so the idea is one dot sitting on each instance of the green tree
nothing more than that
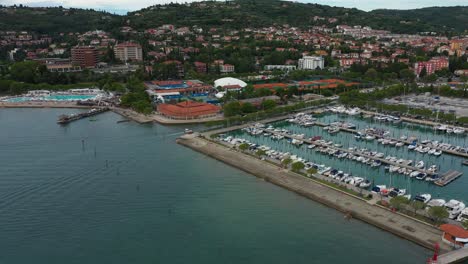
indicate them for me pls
(285, 162)
(268, 104)
(423, 73)
(431, 78)
(297, 166)
(260, 153)
(247, 108)
(25, 71)
(438, 213)
(371, 74)
(244, 146)
(232, 109)
(465, 224)
(398, 202)
(407, 75)
(312, 171)
(417, 205)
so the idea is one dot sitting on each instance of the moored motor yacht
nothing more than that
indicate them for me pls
(463, 216)
(435, 202)
(454, 208)
(425, 198)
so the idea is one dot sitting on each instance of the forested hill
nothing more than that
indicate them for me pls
(442, 18)
(249, 13)
(55, 19)
(235, 14)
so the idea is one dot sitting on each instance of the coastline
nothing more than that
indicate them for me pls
(403, 226)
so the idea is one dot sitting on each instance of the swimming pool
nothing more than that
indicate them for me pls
(62, 97)
(174, 86)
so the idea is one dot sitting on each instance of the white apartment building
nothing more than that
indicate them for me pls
(128, 52)
(311, 63)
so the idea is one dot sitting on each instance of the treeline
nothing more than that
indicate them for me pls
(272, 112)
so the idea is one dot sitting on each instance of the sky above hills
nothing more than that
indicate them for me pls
(122, 6)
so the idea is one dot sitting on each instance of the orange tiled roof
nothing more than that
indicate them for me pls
(454, 230)
(270, 85)
(188, 109)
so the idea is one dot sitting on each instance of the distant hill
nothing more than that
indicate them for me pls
(245, 13)
(235, 14)
(54, 19)
(430, 19)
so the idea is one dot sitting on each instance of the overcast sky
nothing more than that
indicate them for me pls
(121, 6)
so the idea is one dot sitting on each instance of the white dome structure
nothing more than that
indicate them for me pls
(228, 81)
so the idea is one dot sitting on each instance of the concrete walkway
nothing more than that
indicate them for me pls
(400, 225)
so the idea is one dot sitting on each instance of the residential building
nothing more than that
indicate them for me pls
(128, 51)
(85, 56)
(200, 67)
(431, 66)
(311, 63)
(226, 68)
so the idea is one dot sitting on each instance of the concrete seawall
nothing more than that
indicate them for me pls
(400, 225)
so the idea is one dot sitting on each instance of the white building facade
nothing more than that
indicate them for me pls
(311, 63)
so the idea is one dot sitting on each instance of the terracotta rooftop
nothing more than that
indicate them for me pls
(454, 230)
(188, 109)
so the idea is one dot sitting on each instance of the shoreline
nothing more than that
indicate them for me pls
(400, 225)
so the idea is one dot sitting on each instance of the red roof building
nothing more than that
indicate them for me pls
(455, 235)
(188, 110)
(435, 64)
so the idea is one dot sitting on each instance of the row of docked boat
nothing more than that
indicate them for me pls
(425, 150)
(302, 119)
(449, 129)
(433, 144)
(322, 169)
(387, 118)
(455, 208)
(344, 110)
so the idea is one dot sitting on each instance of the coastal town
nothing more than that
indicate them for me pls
(366, 120)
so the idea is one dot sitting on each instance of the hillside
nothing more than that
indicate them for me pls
(431, 18)
(235, 14)
(55, 19)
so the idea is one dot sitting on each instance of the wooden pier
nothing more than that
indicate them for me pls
(448, 177)
(352, 152)
(65, 119)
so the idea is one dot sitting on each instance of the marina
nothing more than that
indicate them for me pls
(380, 153)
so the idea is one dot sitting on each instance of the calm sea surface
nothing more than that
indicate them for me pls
(102, 192)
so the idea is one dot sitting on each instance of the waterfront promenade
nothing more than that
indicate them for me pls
(367, 211)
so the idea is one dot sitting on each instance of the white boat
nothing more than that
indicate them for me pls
(365, 184)
(420, 164)
(463, 216)
(458, 130)
(454, 208)
(435, 202)
(411, 147)
(358, 181)
(437, 153)
(397, 192)
(379, 188)
(425, 198)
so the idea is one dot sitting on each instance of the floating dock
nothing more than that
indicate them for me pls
(406, 142)
(65, 119)
(310, 142)
(448, 177)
